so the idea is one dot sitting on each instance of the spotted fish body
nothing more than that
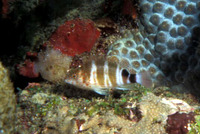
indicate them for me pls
(100, 75)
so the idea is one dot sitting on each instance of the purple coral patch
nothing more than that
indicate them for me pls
(178, 123)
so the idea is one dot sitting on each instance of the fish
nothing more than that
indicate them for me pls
(100, 75)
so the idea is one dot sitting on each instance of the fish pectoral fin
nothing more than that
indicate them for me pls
(124, 87)
(101, 91)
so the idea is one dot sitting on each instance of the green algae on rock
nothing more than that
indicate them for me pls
(7, 102)
(135, 111)
(195, 126)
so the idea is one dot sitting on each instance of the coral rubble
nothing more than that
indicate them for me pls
(44, 112)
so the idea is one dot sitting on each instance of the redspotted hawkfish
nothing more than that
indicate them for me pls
(100, 75)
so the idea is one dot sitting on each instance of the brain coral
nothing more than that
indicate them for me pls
(7, 102)
(165, 42)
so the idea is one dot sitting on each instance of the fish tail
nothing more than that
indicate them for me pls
(144, 78)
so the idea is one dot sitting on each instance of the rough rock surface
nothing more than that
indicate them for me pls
(7, 102)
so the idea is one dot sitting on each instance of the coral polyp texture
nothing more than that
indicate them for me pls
(165, 42)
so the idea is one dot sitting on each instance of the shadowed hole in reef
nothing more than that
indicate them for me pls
(192, 50)
(9, 38)
(192, 61)
(75, 92)
(185, 61)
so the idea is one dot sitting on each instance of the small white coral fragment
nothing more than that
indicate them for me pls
(53, 65)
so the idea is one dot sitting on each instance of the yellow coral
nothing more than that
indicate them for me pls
(7, 102)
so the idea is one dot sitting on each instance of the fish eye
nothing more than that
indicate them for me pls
(74, 75)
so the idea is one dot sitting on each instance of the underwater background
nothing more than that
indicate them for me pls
(43, 40)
